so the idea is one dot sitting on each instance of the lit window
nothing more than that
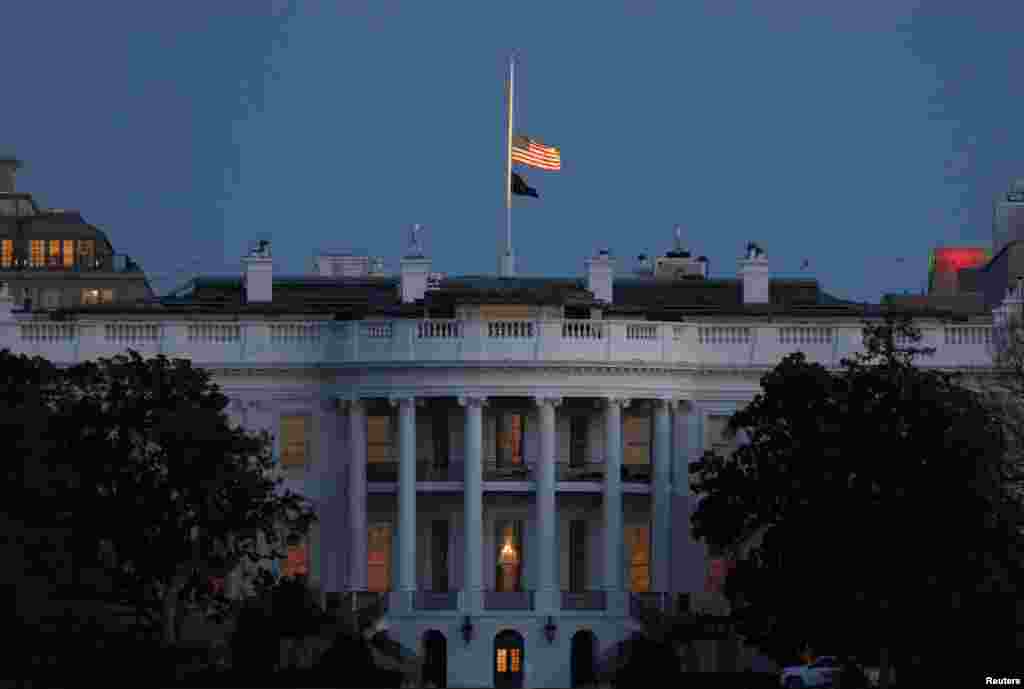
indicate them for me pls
(378, 439)
(90, 296)
(69, 253)
(513, 654)
(107, 296)
(510, 429)
(6, 253)
(501, 658)
(637, 432)
(53, 253)
(294, 440)
(297, 561)
(35, 258)
(638, 545)
(378, 556)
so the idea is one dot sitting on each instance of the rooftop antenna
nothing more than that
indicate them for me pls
(677, 231)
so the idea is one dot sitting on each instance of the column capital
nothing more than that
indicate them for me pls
(349, 403)
(541, 400)
(670, 403)
(472, 401)
(396, 400)
(614, 400)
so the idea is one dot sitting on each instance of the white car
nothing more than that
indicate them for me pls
(820, 673)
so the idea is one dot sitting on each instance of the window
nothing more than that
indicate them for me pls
(501, 658)
(439, 433)
(86, 252)
(296, 562)
(379, 442)
(513, 658)
(52, 298)
(69, 253)
(106, 296)
(294, 441)
(637, 436)
(90, 296)
(508, 541)
(35, 258)
(53, 253)
(577, 556)
(578, 426)
(6, 253)
(510, 429)
(439, 556)
(378, 555)
(638, 545)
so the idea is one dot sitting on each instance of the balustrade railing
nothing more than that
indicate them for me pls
(435, 600)
(581, 471)
(584, 600)
(583, 330)
(507, 471)
(508, 600)
(653, 600)
(691, 344)
(439, 330)
(510, 329)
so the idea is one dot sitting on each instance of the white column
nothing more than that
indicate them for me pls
(613, 535)
(357, 580)
(661, 497)
(547, 516)
(472, 516)
(406, 493)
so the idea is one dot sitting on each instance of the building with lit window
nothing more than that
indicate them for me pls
(52, 258)
(503, 462)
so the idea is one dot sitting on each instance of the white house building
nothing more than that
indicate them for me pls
(505, 460)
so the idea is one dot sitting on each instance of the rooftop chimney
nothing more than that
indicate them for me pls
(259, 273)
(600, 275)
(754, 274)
(8, 171)
(414, 269)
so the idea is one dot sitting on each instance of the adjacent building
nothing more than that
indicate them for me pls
(52, 258)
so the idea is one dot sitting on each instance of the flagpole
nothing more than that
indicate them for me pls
(506, 267)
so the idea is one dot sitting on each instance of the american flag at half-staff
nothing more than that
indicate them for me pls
(531, 152)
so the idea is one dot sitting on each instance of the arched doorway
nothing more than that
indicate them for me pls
(583, 658)
(435, 659)
(508, 660)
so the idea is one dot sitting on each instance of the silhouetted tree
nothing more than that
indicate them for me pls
(873, 488)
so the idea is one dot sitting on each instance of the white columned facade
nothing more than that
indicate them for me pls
(357, 580)
(406, 495)
(661, 497)
(472, 515)
(612, 503)
(547, 515)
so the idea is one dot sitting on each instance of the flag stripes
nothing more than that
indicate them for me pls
(535, 154)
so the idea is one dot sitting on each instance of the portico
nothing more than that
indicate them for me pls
(538, 472)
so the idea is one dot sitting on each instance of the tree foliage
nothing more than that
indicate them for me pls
(875, 488)
(138, 461)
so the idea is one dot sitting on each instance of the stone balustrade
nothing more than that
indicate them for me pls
(230, 342)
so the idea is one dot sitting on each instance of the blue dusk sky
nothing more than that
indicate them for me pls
(848, 134)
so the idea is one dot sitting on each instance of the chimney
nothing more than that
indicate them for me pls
(600, 274)
(8, 171)
(754, 274)
(259, 273)
(415, 269)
